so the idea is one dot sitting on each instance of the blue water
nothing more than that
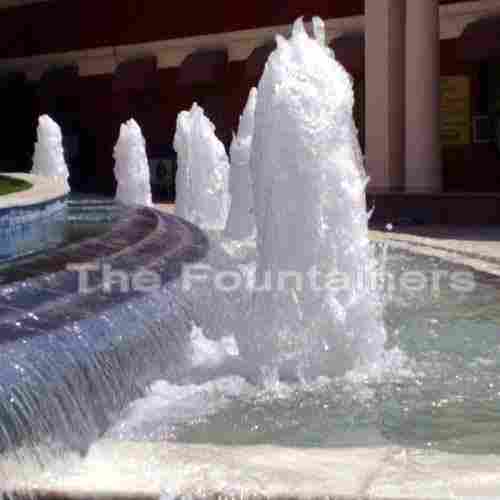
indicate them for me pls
(74, 221)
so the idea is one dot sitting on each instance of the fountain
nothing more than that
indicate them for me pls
(285, 338)
(48, 160)
(54, 305)
(241, 222)
(309, 186)
(33, 220)
(132, 167)
(202, 176)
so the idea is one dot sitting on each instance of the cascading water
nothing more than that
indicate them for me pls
(131, 166)
(48, 160)
(72, 359)
(202, 177)
(241, 221)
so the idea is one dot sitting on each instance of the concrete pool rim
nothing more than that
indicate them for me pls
(43, 191)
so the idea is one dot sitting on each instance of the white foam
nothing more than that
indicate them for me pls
(211, 353)
(167, 405)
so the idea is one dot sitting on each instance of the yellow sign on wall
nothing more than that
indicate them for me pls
(456, 113)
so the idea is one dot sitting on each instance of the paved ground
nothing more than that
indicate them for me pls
(144, 471)
(477, 247)
(483, 241)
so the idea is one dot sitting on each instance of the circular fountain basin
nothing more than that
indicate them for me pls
(43, 191)
(392, 466)
(26, 217)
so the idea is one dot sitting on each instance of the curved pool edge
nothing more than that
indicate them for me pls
(468, 255)
(43, 191)
(27, 217)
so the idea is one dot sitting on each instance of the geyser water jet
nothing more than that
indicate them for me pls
(241, 221)
(48, 159)
(131, 166)
(310, 210)
(202, 182)
(312, 307)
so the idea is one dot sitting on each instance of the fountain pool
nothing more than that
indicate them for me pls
(445, 395)
(428, 428)
(376, 377)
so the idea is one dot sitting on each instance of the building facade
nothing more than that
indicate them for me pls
(426, 76)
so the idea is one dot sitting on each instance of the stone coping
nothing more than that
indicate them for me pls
(478, 255)
(143, 470)
(43, 190)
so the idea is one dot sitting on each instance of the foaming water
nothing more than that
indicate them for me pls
(444, 394)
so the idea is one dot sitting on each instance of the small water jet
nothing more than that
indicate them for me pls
(203, 173)
(33, 220)
(131, 167)
(48, 159)
(241, 222)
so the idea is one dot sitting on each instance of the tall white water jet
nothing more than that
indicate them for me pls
(202, 182)
(241, 221)
(131, 166)
(317, 314)
(48, 160)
